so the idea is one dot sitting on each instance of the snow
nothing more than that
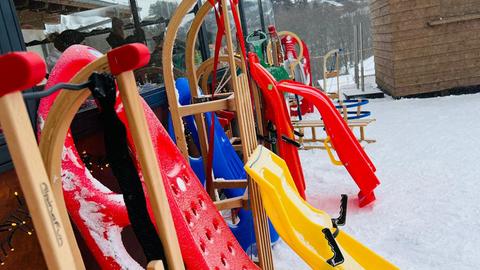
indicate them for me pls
(347, 82)
(105, 233)
(68, 152)
(68, 180)
(426, 213)
(333, 3)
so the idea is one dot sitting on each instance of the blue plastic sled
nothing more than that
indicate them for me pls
(353, 103)
(226, 165)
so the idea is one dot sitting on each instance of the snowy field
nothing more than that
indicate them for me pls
(427, 211)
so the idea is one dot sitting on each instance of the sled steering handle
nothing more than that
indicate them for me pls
(20, 71)
(128, 58)
(260, 35)
(122, 62)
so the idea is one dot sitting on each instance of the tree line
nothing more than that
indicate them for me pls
(325, 27)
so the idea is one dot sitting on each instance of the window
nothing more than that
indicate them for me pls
(50, 27)
(255, 22)
(268, 13)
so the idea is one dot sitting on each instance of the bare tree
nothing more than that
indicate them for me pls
(324, 27)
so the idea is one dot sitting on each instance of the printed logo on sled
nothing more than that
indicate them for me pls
(53, 219)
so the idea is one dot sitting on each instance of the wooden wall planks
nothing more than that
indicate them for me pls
(412, 57)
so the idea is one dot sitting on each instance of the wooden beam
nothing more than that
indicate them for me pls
(190, 46)
(232, 203)
(210, 106)
(222, 184)
(55, 131)
(455, 19)
(320, 124)
(192, 80)
(169, 78)
(152, 176)
(155, 265)
(247, 129)
(53, 229)
(207, 97)
(194, 72)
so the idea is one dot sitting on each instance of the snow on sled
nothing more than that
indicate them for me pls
(99, 214)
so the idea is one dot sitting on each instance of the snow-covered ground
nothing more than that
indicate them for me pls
(347, 82)
(427, 211)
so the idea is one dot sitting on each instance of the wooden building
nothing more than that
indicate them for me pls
(426, 46)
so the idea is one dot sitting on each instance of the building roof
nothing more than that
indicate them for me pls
(34, 14)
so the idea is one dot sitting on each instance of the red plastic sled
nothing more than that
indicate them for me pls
(352, 155)
(100, 215)
(276, 111)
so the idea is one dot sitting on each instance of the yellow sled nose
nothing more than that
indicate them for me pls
(299, 224)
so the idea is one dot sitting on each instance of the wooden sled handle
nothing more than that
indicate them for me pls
(155, 265)
(20, 71)
(120, 62)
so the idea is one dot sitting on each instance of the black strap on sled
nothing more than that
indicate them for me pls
(123, 167)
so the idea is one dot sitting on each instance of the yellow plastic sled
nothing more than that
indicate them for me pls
(306, 229)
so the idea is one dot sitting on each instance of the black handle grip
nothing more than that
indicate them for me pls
(342, 218)
(298, 133)
(266, 139)
(290, 141)
(337, 253)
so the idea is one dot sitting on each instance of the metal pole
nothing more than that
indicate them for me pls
(243, 21)
(355, 53)
(325, 72)
(362, 69)
(136, 21)
(262, 18)
(337, 67)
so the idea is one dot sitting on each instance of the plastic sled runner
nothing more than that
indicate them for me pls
(349, 150)
(310, 232)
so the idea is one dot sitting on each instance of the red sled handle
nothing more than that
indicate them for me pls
(20, 71)
(128, 57)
